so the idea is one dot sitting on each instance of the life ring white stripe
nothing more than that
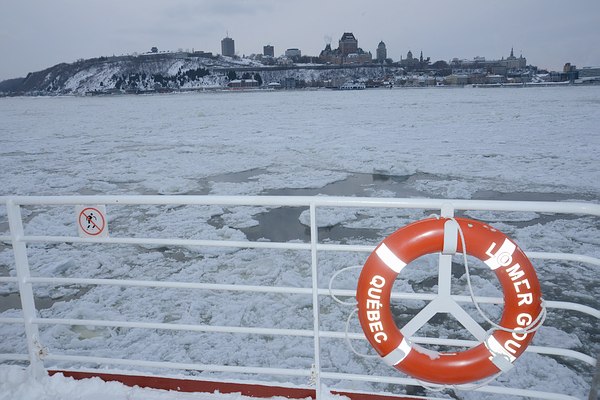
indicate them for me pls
(390, 259)
(503, 255)
(496, 348)
(398, 354)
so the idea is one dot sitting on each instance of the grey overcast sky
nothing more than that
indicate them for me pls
(36, 34)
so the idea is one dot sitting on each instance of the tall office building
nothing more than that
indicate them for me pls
(381, 52)
(228, 47)
(268, 50)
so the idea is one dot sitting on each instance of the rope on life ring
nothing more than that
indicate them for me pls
(523, 305)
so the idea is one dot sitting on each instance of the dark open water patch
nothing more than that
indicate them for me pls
(13, 300)
(10, 301)
(279, 225)
(238, 177)
(358, 184)
(283, 223)
(530, 196)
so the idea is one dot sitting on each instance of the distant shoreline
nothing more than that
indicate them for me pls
(267, 90)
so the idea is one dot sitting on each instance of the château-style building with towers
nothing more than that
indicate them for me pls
(347, 52)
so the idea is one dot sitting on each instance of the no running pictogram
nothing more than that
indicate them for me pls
(92, 221)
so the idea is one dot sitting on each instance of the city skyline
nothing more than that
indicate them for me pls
(37, 34)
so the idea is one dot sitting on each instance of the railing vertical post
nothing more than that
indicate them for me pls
(34, 347)
(315, 297)
(595, 381)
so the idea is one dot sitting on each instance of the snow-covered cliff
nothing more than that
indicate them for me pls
(174, 71)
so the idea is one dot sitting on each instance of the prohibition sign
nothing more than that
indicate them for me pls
(92, 221)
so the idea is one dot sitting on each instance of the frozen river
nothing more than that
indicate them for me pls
(508, 144)
(449, 142)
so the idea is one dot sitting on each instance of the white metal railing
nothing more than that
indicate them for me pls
(37, 355)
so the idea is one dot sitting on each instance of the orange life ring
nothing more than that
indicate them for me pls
(522, 301)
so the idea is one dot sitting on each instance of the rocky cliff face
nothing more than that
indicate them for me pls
(172, 71)
(125, 73)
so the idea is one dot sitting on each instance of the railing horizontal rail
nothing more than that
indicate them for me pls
(564, 305)
(11, 320)
(530, 349)
(14, 357)
(563, 257)
(298, 201)
(174, 285)
(555, 351)
(181, 366)
(174, 327)
(170, 242)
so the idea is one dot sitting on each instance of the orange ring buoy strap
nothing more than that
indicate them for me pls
(522, 301)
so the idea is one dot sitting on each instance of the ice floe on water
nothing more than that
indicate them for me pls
(420, 143)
